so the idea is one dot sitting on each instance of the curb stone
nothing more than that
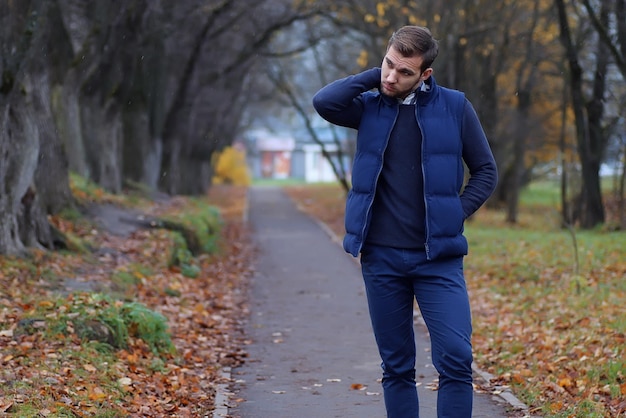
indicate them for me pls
(222, 395)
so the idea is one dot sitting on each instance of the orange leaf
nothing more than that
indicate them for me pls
(97, 394)
(556, 406)
(46, 304)
(517, 378)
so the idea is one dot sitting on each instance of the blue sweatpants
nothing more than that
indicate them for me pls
(393, 278)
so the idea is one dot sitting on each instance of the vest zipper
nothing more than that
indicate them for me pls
(426, 229)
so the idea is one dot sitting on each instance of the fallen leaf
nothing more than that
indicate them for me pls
(4, 408)
(97, 394)
(90, 368)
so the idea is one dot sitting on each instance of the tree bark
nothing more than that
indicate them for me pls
(33, 180)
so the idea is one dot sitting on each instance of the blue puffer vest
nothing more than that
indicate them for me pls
(439, 114)
(447, 121)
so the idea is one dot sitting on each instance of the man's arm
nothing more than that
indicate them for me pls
(480, 162)
(340, 103)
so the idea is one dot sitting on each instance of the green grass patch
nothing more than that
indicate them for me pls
(278, 182)
(124, 282)
(202, 225)
(98, 317)
(545, 193)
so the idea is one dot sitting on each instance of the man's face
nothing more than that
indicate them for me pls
(401, 75)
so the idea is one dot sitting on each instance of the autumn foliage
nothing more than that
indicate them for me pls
(117, 330)
(231, 167)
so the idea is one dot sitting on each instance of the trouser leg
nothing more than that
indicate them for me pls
(390, 300)
(442, 297)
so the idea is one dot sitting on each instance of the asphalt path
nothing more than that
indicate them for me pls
(312, 352)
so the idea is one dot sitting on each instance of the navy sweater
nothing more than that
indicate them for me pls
(398, 212)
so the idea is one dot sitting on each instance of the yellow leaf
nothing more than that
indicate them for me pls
(380, 9)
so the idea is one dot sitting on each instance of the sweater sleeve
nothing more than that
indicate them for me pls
(480, 162)
(340, 102)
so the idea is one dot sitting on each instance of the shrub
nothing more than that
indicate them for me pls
(231, 168)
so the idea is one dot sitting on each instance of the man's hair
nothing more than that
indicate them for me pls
(415, 40)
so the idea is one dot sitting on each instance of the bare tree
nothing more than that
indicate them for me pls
(232, 36)
(144, 90)
(588, 114)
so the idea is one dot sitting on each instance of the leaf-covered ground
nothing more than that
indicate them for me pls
(549, 324)
(47, 369)
(549, 306)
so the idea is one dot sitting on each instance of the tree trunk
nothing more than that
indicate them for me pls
(19, 150)
(593, 145)
(51, 176)
(487, 110)
(590, 148)
(67, 117)
(142, 152)
(144, 112)
(102, 132)
(622, 192)
(566, 211)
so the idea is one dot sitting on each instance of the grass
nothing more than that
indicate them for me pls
(549, 317)
(528, 287)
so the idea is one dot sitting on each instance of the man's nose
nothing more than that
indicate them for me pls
(391, 77)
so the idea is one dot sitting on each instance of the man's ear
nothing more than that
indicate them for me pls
(427, 73)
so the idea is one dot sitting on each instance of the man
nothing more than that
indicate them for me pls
(406, 209)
